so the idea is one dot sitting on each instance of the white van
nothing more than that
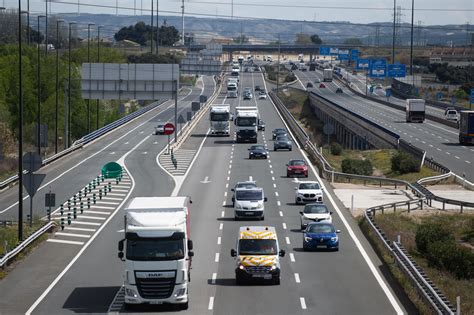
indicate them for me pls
(249, 203)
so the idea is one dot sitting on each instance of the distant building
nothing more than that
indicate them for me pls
(457, 56)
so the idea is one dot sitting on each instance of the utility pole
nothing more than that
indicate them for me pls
(20, 129)
(151, 37)
(157, 26)
(88, 60)
(182, 19)
(38, 86)
(411, 36)
(98, 60)
(278, 70)
(394, 21)
(28, 37)
(46, 29)
(69, 88)
(232, 9)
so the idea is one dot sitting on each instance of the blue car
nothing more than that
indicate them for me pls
(320, 235)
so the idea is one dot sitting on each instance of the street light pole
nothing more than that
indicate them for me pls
(27, 21)
(38, 81)
(20, 129)
(157, 26)
(411, 40)
(393, 36)
(151, 37)
(88, 60)
(69, 89)
(46, 29)
(57, 87)
(98, 60)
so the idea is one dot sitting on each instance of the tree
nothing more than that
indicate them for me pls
(152, 58)
(168, 36)
(303, 39)
(241, 39)
(353, 41)
(141, 33)
(315, 39)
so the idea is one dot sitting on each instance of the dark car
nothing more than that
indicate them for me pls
(247, 95)
(258, 88)
(309, 85)
(282, 142)
(261, 125)
(320, 235)
(258, 151)
(296, 168)
(322, 86)
(339, 90)
(279, 131)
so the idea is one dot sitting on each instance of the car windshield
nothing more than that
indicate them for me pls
(321, 209)
(257, 147)
(257, 247)
(155, 249)
(279, 130)
(282, 139)
(320, 228)
(246, 184)
(249, 195)
(297, 163)
(309, 186)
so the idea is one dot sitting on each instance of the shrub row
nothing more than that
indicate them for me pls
(358, 167)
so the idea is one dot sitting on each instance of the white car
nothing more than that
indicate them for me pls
(315, 212)
(262, 95)
(308, 192)
(452, 114)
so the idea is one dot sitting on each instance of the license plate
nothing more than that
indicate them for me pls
(265, 276)
(248, 213)
(321, 246)
(156, 302)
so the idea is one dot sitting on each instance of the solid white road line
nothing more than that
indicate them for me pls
(216, 259)
(78, 229)
(211, 303)
(214, 277)
(79, 254)
(101, 207)
(297, 278)
(303, 303)
(84, 223)
(90, 217)
(292, 257)
(96, 212)
(51, 240)
(358, 244)
(72, 235)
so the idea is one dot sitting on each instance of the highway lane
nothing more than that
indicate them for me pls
(71, 173)
(439, 141)
(339, 282)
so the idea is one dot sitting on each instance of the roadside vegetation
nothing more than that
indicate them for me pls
(284, 76)
(385, 163)
(442, 244)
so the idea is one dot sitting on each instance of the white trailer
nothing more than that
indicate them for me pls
(415, 110)
(157, 251)
(327, 75)
(219, 116)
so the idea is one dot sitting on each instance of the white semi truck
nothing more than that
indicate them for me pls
(415, 110)
(219, 116)
(327, 75)
(246, 123)
(157, 251)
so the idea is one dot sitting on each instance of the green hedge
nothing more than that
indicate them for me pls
(358, 167)
(336, 149)
(404, 163)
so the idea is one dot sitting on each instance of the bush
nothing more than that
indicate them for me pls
(450, 256)
(428, 233)
(404, 163)
(358, 167)
(290, 77)
(336, 149)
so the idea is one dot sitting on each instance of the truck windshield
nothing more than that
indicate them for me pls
(219, 116)
(248, 195)
(155, 249)
(246, 121)
(231, 88)
(257, 247)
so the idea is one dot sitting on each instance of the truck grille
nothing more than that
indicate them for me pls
(259, 269)
(155, 288)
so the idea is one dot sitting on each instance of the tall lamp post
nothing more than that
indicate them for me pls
(57, 87)
(88, 60)
(69, 89)
(394, 22)
(98, 60)
(20, 127)
(38, 81)
(411, 39)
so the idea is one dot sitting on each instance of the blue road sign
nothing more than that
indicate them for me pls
(378, 68)
(396, 70)
(343, 54)
(333, 51)
(439, 96)
(362, 64)
(371, 89)
(388, 92)
(324, 51)
(378, 62)
(354, 54)
(472, 96)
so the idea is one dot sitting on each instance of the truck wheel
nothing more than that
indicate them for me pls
(236, 218)
(290, 149)
(276, 281)
(184, 306)
(262, 218)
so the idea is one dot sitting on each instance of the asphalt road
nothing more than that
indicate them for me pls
(71, 173)
(349, 281)
(439, 141)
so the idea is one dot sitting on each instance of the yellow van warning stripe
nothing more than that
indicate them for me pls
(257, 235)
(252, 261)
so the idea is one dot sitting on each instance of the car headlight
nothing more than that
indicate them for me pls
(131, 292)
(241, 267)
(274, 267)
(238, 207)
(289, 169)
(334, 239)
(307, 238)
(180, 292)
(251, 153)
(260, 205)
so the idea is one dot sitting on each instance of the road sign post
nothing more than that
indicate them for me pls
(31, 162)
(168, 130)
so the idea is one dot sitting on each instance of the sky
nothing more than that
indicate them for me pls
(358, 11)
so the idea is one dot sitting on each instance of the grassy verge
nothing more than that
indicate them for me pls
(9, 240)
(462, 225)
(188, 79)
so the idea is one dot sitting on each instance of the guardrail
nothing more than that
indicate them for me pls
(425, 287)
(87, 139)
(25, 243)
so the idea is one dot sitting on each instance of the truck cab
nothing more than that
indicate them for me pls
(246, 122)
(156, 251)
(219, 117)
(257, 255)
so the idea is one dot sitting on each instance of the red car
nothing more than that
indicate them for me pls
(296, 168)
(322, 86)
